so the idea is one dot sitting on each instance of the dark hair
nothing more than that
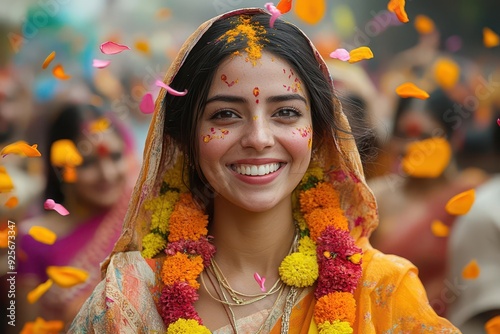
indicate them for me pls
(196, 74)
(68, 124)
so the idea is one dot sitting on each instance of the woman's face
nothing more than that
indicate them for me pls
(255, 133)
(101, 177)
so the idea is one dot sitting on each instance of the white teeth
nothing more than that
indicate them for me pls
(255, 170)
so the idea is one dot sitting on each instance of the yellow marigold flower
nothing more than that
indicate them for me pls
(190, 326)
(299, 270)
(161, 208)
(152, 244)
(335, 327)
(337, 305)
(297, 216)
(307, 246)
(321, 196)
(315, 171)
(319, 219)
(176, 176)
(182, 268)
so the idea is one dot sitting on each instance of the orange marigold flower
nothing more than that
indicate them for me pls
(321, 196)
(187, 221)
(320, 218)
(182, 268)
(335, 306)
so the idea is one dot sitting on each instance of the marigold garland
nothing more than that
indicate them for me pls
(339, 306)
(182, 268)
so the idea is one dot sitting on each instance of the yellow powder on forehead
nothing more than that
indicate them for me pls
(253, 32)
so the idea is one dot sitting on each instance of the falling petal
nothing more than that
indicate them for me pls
(163, 13)
(439, 229)
(398, 8)
(69, 174)
(98, 63)
(21, 148)
(142, 45)
(460, 204)
(260, 281)
(498, 121)
(147, 105)
(492, 326)
(50, 204)
(37, 292)
(490, 38)
(427, 158)
(275, 13)
(361, 53)
(446, 73)
(340, 54)
(409, 89)
(99, 125)
(170, 90)
(67, 277)
(43, 235)
(284, 6)
(4, 236)
(344, 20)
(310, 11)
(6, 184)
(12, 202)
(356, 258)
(58, 72)
(471, 270)
(63, 153)
(111, 48)
(40, 326)
(424, 25)
(49, 59)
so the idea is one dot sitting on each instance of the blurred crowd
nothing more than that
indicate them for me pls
(417, 153)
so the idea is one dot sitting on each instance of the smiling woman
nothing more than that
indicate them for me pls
(251, 214)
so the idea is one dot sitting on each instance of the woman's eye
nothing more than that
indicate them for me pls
(224, 114)
(287, 113)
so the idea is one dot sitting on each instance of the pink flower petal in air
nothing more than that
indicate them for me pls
(275, 13)
(498, 121)
(111, 48)
(340, 54)
(50, 204)
(261, 281)
(172, 91)
(98, 63)
(147, 105)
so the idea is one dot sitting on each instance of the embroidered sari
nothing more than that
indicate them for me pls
(389, 297)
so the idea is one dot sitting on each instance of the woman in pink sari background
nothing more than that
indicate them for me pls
(97, 201)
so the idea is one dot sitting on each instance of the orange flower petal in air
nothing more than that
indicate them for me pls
(58, 72)
(460, 204)
(99, 125)
(446, 73)
(6, 184)
(12, 202)
(142, 45)
(492, 326)
(310, 11)
(63, 153)
(37, 292)
(490, 38)
(69, 174)
(424, 25)
(49, 59)
(284, 6)
(409, 89)
(398, 8)
(471, 270)
(163, 13)
(40, 326)
(361, 53)
(439, 229)
(43, 235)
(427, 158)
(21, 148)
(67, 277)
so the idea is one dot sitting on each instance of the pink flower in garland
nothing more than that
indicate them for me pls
(177, 301)
(201, 247)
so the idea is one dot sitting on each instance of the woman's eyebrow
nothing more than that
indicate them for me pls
(271, 99)
(286, 97)
(226, 98)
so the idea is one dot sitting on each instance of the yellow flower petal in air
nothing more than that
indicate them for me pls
(37, 292)
(492, 326)
(49, 59)
(67, 277)
(398, 8)
(423, 24)
(142, 45)
(439, 229)
(40, 326)
(99, 125)
(471, 270)
(69, 174)
(43, 235)
(446, 73)
(58, 72)
(409, 89)
(12, 202)
(361, 53)
(64, 153)
(490, 38)
(6, 184)
(460, 204)
(21, 148)
(427, 158)
(310, 11)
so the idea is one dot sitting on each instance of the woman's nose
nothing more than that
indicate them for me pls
(257, 134)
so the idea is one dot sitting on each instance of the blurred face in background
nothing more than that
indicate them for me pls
(102, 175)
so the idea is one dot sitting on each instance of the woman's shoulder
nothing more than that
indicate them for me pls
(381, 268)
